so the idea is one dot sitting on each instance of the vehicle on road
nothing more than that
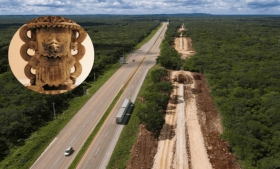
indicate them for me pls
(68, 151)
(125, 106)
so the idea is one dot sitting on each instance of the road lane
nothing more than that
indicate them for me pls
(105, 146)
(91, 112)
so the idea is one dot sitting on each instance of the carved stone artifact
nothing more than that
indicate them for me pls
(53, 40)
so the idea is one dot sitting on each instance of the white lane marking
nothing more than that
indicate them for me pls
(102, 101)
(93, 114)
(112, 143)
(63, 140)
(56, 160)
(85, 124)
(107, 95)
(113, 87)
(72, 140)
(97, 152)
(106, 134)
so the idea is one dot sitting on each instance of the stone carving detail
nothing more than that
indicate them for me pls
(53, 39)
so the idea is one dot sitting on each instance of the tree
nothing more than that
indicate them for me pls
(157, 74)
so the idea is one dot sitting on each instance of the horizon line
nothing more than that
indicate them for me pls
(145, 14)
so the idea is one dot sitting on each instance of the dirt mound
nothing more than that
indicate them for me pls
(210, 121)
(143, 150)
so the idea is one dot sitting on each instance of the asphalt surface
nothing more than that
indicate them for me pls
(81, 125)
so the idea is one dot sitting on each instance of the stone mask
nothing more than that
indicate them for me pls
(53, 39)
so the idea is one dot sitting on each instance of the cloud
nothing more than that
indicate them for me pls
(257, 4)
(137, 6)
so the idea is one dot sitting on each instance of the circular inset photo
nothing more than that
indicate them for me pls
(51, 55)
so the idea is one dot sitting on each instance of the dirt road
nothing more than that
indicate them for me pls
(174, 155)
(181, 160)
(184, 46)
(163, 158)
(198, 153)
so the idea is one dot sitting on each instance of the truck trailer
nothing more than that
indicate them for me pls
(122, 111)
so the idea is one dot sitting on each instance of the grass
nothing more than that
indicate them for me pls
(138, 46)
(39, 140)
(128, 136)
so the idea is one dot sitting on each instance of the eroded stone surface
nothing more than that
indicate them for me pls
(52, 38)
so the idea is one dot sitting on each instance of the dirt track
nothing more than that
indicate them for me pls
(215, 152)
(188, 136)
(184, 46)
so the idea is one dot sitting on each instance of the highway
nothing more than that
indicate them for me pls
(81, 125)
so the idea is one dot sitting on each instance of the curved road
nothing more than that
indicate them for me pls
(81, 125)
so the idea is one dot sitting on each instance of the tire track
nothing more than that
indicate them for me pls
(166, 156)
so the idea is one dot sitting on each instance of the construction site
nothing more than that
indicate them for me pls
(190, 138)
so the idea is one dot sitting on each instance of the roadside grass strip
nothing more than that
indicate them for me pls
(121, 153)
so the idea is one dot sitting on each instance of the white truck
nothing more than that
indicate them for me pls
(125, 106)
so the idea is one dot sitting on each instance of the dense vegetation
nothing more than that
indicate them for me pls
(240, 58)
(169, 57)
(23, 111)
(156, 98)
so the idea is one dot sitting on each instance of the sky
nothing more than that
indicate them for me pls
(131, 7)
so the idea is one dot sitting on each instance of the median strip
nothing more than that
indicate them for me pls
(91, 137)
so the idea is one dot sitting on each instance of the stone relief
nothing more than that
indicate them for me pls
(53, 40)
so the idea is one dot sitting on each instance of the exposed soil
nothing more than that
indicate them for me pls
(146, 146)
(218, 151)
(167, 140)
(143, 150)
(210, 122)
(184, 46)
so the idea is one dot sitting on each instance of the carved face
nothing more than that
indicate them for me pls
(52, 38)
(53, 41)
(54, 57)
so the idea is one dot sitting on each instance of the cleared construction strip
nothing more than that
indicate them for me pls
(182, 157)
(172, 150)
(164, 156)
(199, 157)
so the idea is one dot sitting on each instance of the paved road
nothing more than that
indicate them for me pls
(81, 125)
(100, 151)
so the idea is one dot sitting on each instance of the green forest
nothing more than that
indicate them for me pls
(23, 111)
(156, 99)
(239, 55)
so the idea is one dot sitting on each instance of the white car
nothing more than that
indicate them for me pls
(68, 151)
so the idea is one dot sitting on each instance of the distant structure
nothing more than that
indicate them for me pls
(121, 60)
(53, 38)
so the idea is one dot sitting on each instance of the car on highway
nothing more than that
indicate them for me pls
(68, 151)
